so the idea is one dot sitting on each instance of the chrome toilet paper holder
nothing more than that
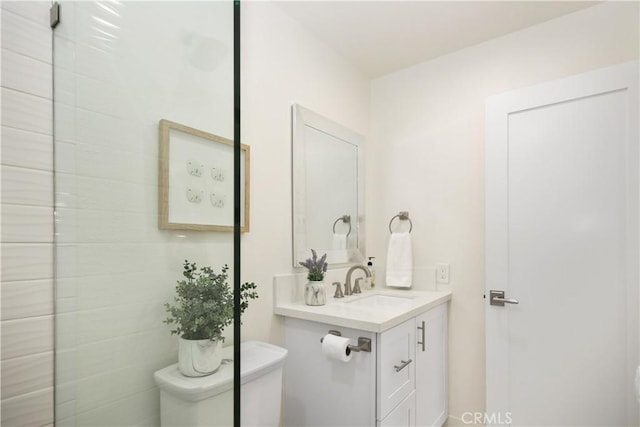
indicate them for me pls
(364, 344)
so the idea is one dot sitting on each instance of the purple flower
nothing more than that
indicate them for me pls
(317, 267)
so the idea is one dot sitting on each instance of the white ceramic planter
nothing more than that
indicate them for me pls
(198, 358)
(315, 293)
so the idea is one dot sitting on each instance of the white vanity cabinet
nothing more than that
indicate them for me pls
(401, 382)
(423, 381)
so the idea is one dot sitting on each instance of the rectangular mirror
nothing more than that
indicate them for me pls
(328, 189)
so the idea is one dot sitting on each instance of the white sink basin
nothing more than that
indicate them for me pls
(382, 302)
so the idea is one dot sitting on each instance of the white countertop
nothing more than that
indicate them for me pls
(372, 317)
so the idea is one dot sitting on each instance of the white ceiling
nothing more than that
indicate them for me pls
(380, 37)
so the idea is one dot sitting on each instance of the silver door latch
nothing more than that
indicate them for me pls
(497, 298)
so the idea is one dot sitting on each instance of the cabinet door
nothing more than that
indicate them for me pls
(396, 364)
(404, 415)
(319, 391)
(431, 367)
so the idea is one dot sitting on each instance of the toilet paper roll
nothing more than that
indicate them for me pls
(336, 348)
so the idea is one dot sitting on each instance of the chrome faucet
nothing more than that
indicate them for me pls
(347, 285)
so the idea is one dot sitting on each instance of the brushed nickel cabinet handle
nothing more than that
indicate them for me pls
(421, 328)
(403, 364)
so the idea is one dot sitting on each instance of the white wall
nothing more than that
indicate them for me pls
(283, 64)
(427, 135)
(27, 216)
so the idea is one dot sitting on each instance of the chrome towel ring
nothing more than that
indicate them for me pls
(346, 219)
(403, 215)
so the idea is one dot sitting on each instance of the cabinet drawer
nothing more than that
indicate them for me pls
(396, 366)
(404, 415)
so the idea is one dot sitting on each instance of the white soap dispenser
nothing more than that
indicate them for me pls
(372, 280)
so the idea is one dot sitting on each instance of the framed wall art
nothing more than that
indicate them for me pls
(196, 180)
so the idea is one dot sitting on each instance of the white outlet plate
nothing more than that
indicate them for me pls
(442, 273)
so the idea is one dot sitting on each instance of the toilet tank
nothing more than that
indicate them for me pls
(208, 401)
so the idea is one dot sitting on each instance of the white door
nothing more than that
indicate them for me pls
(562, 240)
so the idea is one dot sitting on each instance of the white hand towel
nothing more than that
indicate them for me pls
(399, 260)
(339, 253)
(339, 241)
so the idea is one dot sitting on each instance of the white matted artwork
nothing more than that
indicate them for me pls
(196, 180)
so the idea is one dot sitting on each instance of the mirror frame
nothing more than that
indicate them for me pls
(300, 118)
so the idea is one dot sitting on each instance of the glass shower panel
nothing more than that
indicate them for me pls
(120, 68)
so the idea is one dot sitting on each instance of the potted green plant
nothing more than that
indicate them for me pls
(203, 308)
(315, 292)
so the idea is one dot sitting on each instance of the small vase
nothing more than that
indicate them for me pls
(198, 358)
(315, 293)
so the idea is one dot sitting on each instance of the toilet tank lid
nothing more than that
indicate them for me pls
(257, 359)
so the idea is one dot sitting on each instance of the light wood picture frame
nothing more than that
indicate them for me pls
(196, 180)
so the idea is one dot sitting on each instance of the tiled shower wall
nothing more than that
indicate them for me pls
(27, 215)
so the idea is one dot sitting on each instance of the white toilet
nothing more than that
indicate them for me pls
(208, 401)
